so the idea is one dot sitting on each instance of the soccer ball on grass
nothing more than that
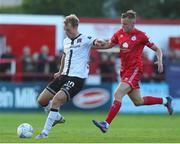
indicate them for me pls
(25, 130)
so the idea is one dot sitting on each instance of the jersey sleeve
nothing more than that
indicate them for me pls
(90, 40)
(114, 38)
(147, 41)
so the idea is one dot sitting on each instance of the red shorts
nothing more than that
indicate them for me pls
(132, 77)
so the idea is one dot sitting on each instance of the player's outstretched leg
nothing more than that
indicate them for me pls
(166, 101)
(111, 115)
(168, 105)
(122, 90)
(53, 116)
(103, 126)
(47, 110)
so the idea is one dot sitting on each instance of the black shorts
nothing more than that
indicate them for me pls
(70, 85)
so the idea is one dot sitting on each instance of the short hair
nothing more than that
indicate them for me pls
(130, 14)
(72, 19)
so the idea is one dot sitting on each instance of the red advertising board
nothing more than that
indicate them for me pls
(34, 36)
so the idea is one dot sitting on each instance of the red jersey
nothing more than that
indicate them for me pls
(131, 47)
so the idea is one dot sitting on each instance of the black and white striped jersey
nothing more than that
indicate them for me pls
(77, 53)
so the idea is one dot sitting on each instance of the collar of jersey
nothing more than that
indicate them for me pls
(76, 37)
(131, 32)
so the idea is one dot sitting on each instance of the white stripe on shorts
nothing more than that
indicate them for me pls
(133, 75)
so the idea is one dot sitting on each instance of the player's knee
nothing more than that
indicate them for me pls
(118, 95)
(41, 101)
(138, 103)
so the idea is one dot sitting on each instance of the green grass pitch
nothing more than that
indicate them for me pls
(79, 128)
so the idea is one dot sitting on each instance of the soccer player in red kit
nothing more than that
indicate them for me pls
(131, 42)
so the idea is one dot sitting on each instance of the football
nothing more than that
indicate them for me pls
(25, 130)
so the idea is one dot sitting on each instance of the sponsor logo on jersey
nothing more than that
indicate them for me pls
(89, 37)
(91, 98)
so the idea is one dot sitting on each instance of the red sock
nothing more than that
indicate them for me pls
(113, 111)
(149, 100)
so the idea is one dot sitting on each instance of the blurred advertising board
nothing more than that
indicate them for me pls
(92, 97)
(173, 79)
(148, 89)
(22, 96)
(19, 95)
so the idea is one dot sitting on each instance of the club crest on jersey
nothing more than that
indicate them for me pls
(133, 38)
(79, 40)
(125, 45)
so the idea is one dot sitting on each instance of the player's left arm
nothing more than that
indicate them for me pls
(159, 55)
(157, 50)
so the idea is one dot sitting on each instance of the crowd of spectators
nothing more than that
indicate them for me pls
(41, 66)
(34, 66)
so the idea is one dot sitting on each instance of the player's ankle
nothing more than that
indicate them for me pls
(59, 116)
(44, 131)
(164, 100)
(107, 124)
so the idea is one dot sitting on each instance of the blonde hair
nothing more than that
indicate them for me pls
(71, 19)
(130, 14)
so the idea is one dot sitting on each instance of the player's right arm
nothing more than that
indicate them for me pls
(103, 44)
(61, 66)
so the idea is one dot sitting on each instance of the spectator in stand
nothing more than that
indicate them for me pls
(54, 62)
(42, 64)
(113, 58)
(43, 60)
(8, 55)
(107, 68)
(35, 57)
(94, 62)
(5, 65)
(27, 62)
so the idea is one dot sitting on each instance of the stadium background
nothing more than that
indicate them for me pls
(30, 49)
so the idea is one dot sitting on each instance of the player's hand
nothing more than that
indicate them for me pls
(57, 74)
(160, 66)
(99, 43)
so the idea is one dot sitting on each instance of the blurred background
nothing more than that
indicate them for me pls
(31, 35)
